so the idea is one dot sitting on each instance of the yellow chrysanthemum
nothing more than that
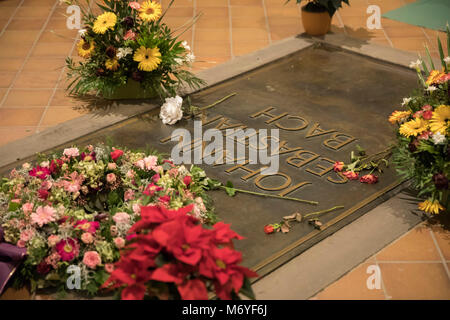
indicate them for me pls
(150, 11)
(112, 64)
(434, 76)
(104, 22)
(430, 206)
(148, 58)
(413, 127)
(85, 48)
(399, 116)
(440, 120)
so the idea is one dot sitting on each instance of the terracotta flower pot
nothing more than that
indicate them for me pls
(316, 23)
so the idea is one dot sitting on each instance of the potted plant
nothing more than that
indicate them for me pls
(317, 15)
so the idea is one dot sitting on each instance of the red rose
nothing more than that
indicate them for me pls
(351, 175)
(43, 194)
(116, 154)
(269, 229)
(187, 180)
(369, 178)
(338, 166)
(427, 115)
(43, 268)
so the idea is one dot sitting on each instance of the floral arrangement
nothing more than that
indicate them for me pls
(129, 42)
(323, 5)
(75, 208)
(173, 255)
(423, 151)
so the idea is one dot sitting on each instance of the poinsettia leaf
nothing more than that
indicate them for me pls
(247, 289)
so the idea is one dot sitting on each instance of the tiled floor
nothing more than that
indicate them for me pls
(415, 266)
(34, 42)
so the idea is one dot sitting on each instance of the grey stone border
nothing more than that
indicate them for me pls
(117, 112)
(333, 259)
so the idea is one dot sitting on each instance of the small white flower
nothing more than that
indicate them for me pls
(171, 110)
(82, 32)
(45, 164)
(415, 64)
(178, 60)
(406, 101)
(185, 45)
(190, 58)
(431, 88)
(123, 52)
(447, 60)
(438, 138)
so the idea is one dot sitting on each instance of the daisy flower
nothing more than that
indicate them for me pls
(150, 11)
(104, 22)
(148, 58)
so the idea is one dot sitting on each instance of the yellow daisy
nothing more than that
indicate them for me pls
(112, 64)
(148, 58)
(150, 11)
(430, 206)
(399, 116)
(434, 76)
(85, 48)
(440, 120)
(104, 22)
(413, 127)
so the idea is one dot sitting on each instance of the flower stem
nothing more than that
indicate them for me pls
(273, 196)
(323, 211)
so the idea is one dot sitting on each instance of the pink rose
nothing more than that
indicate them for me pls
(111, 178)
(119, 242)
(21, 244)
(136, 208)
(130, 174)
(109, 267)
(92, 259)
(87, 237)
(27, 207)
(121, 218)
(135, 5)
(129, 195)
(112, 166)
(26, 235)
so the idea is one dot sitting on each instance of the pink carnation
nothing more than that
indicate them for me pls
(27, 207)
(121, 218)
(26, 235)
(109, 267)
(53, 240)
(43, 215)
(87, 238)
(53, 259)
(119, 242)
(148, 163)
(111, 178)
(21, 244)
(71, 152)
(130, 35)
(135, 5)
(73, 182)
(129, 195)
(92, 259)
(136, 208)
(112, 166)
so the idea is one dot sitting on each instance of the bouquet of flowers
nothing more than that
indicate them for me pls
(173, 255)
(75, 209)
(129, 42)
(423, 151)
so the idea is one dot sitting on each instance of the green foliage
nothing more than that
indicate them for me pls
(330, 5)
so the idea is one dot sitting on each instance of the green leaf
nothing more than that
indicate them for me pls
(441, 54)
(229, 189)
(13, 206)
(247, 290)
(429, 57)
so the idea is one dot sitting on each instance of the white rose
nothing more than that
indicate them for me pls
(123, 52)
(190, 58)
(438, 138)
(171, 110)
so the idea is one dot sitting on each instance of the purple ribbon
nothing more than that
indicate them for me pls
(10, 258)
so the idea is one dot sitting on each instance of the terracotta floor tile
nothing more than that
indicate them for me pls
(2, 93)
(57, 24)
(242, 48)
(55, 116)
(255, 3)
(354, 22)
(59, 36)
(37, 80)
(410, 44)
(11, 64)
(244, 34)
(203, 63)
(249, 12)
(10, 117)
(415, 245)
(6, 79)
(287, 22)
(281, 32)
(180, 12)
(14, 37)
(9, 3)
(212, 3)
(248, 23)
(387, 5)
(216, 23)
(26, 24)
(283, 12)
(416, 281)
(177, 22)
(16, 51)
(212, 34)
(27, 98)
(401, 31)
(210, 12)
(220, 49)
(52, 49)
(35, 64)
(35, 3)
(33, 12)
(352, 286)
(7, 12)
(443, 239)
(61, 99)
